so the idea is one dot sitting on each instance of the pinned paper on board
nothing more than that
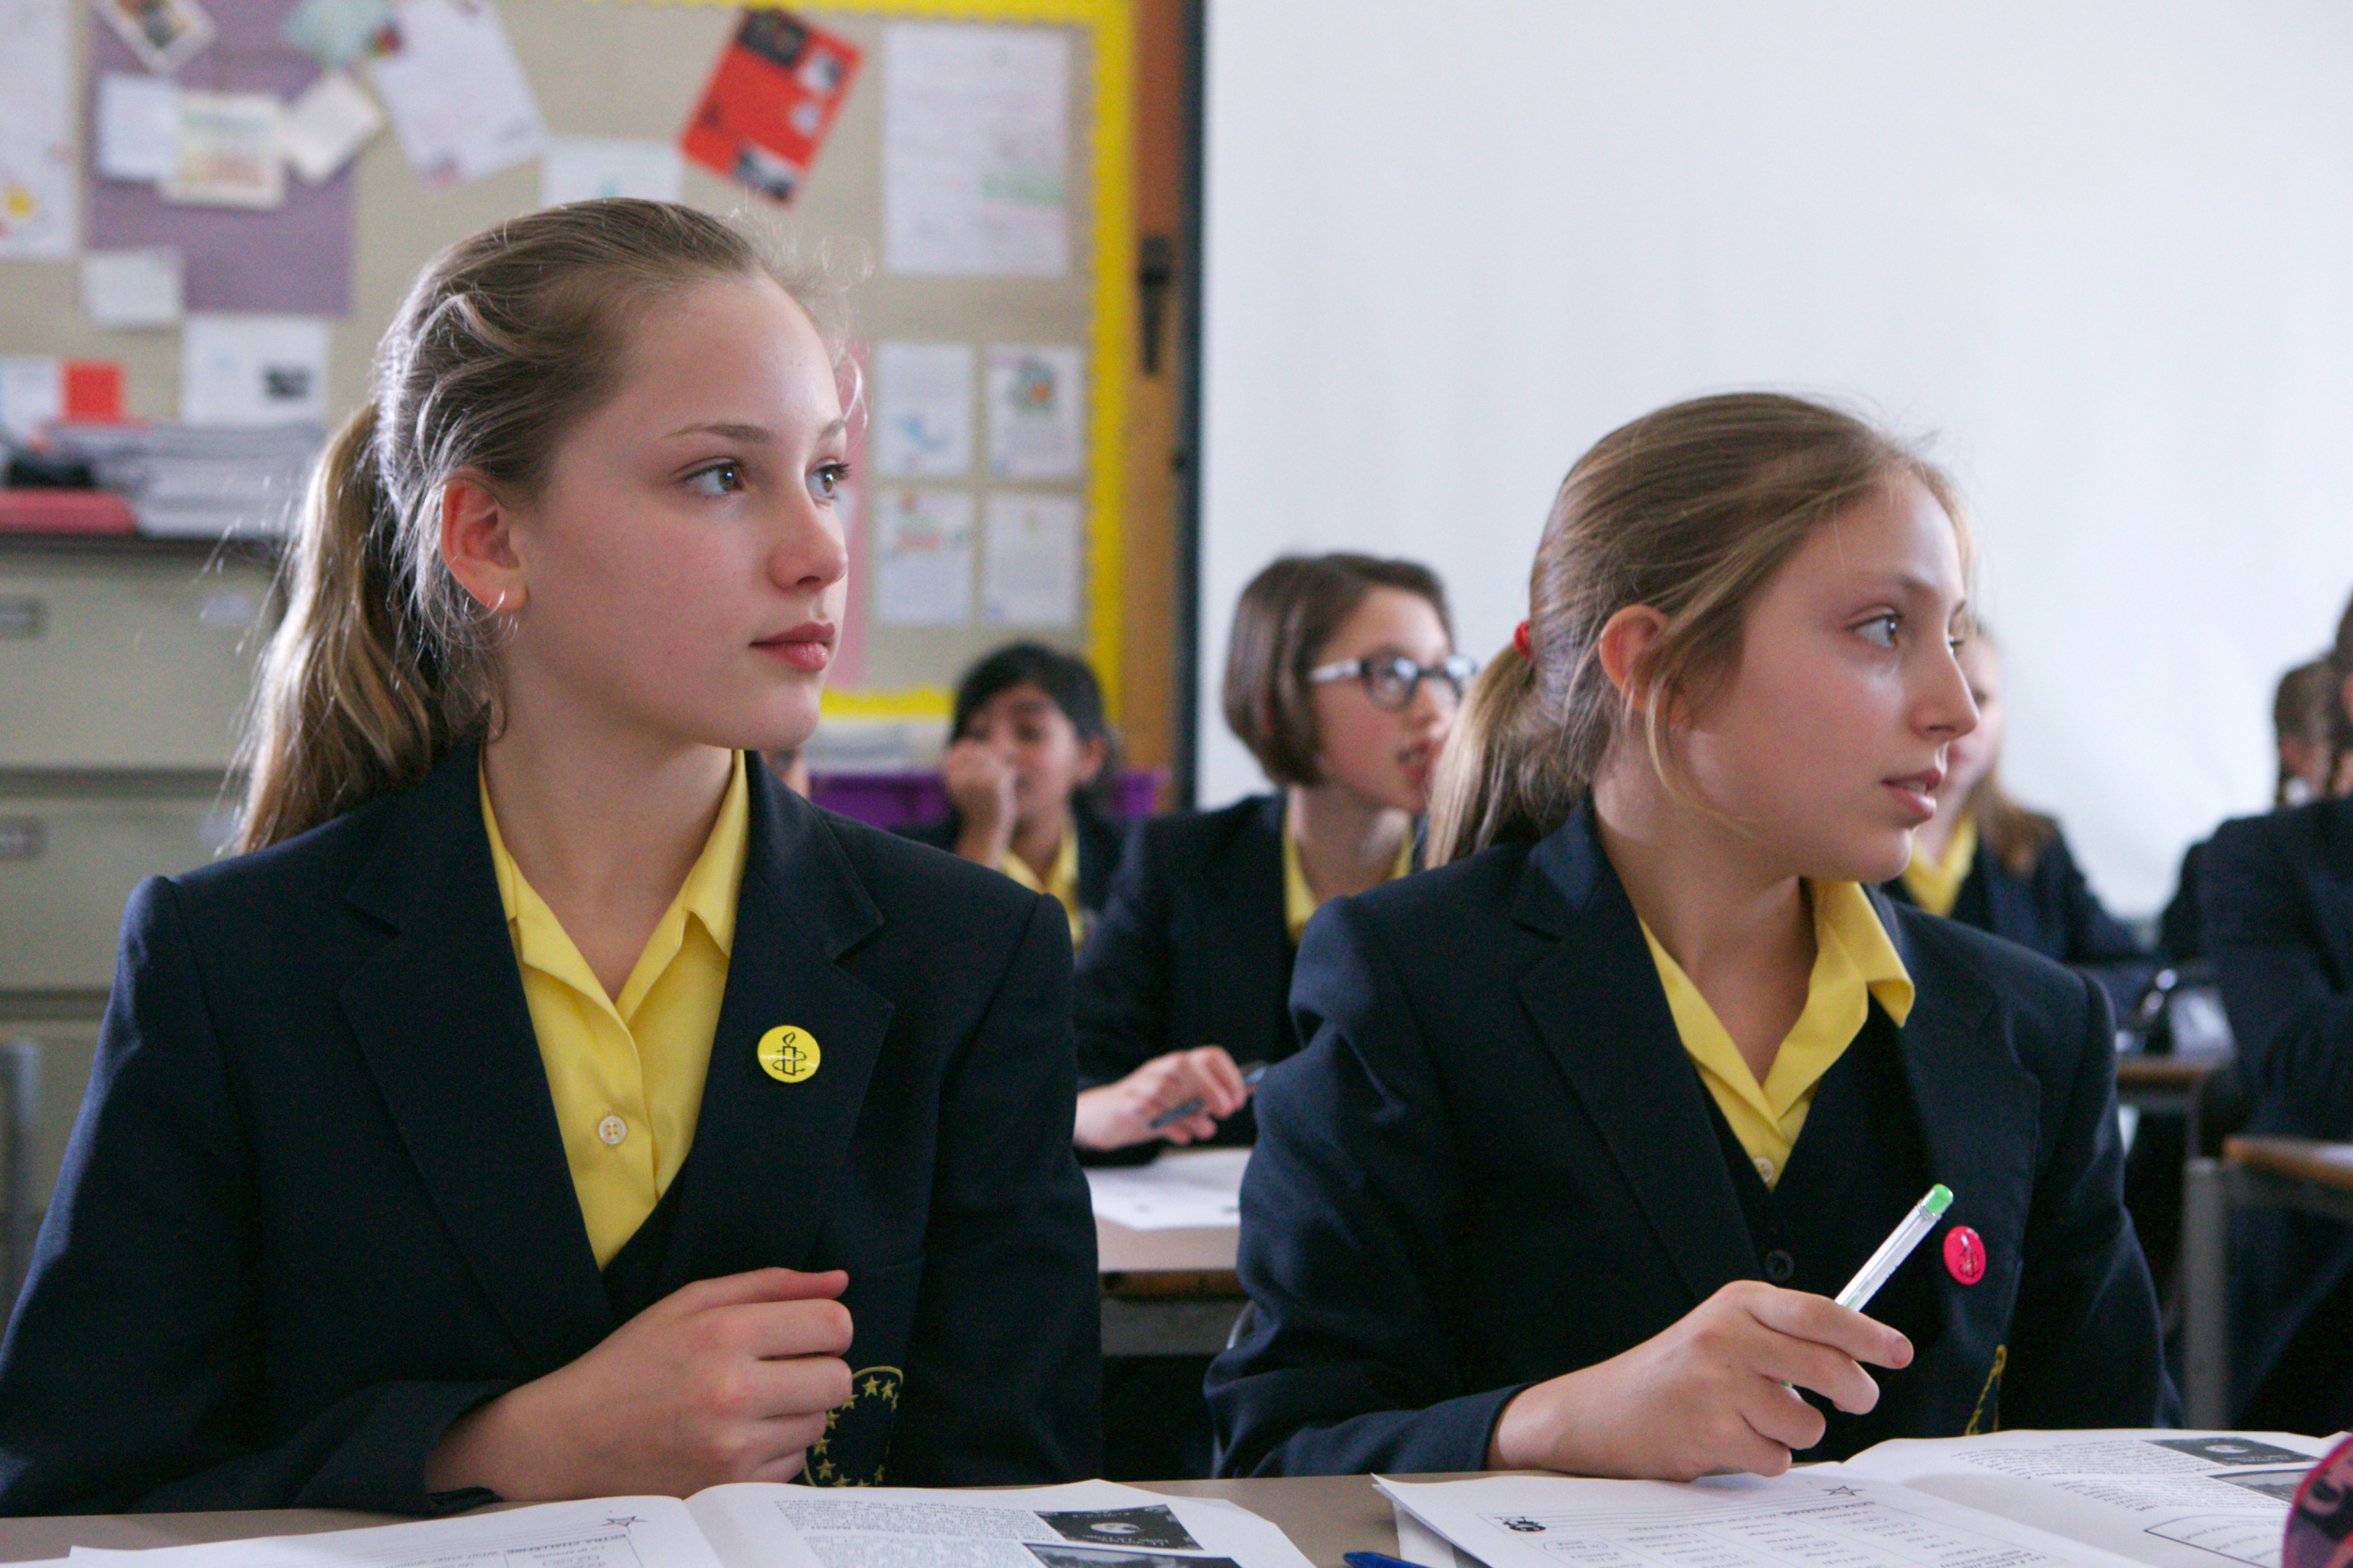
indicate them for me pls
(1036, 422)
(1030, 560)
(923, 409)
(139, 287)
(923, 557)
(455, 94)
(253, 370)
(341, 32)
(325, 127)
(226, 153)
(138, 126)
(37, 390)
(580, 168)
(770, 102)
(36, 148)
(164, 34)
(975, 150)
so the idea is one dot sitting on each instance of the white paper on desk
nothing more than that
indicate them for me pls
(1183, 1188)
(225, 154)
(923, 409)
(457, 96)
(1086, 1524)
(137, 288)
(1037, 426)
(1418, 1543)
(38, 172)
(923, 557)
(1805, 1517)
(239, 369)
(1030, 560)
(2176, 1500)
(325, 127)
(578, 168)
(601, 1532)
(138, 125)
(975, 150)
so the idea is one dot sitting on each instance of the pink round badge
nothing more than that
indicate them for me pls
(1965, 1257)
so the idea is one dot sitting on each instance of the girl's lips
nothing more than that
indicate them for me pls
(1917, 794)
(806, 647)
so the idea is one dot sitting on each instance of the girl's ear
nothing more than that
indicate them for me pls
(1625, 644)
(478, 545)
(1093, 754)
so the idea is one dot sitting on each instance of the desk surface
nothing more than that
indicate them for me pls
(2137, 1071)
(1323, 1515)
(1208, 1248)
(2306, 1159)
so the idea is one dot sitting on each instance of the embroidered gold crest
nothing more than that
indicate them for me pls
(856, 1432)
(1986, 1416)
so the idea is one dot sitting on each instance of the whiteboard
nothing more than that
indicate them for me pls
(2101, 252)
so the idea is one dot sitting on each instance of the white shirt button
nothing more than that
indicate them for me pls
(612, 1130)
(1763, 1163)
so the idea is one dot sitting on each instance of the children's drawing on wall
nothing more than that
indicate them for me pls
(772, 99)
(459, 104)
(1030, 560)
(164, 34)
(975, 150)
(1036, 427)
(581, 168)
(37, 158)
(923, 557)
(923, 409)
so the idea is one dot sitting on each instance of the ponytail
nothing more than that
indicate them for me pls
(1504, 774)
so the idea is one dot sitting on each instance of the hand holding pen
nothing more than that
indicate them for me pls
(1180, 1095)
(1195, 1106)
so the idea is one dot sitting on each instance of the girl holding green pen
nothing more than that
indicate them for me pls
(1594, 1120)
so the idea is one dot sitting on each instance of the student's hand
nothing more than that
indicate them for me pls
(979, 781)
(724, 1380)
(1706, 1395)
(1118, 1114)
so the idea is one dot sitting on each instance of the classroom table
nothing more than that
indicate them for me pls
(2291, 1173)
(1323, 1515)
(1167, 1292)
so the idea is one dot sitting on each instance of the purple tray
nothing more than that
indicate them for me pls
(896, 799)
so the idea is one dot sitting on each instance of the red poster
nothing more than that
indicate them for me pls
(771, 101)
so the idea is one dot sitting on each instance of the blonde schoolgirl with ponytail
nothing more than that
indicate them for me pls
(550, 1104)
(1593, 1119)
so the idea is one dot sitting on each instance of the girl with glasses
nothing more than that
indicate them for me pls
(1593, 1121)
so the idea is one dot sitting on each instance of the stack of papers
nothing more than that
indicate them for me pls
(2020, 1500)
(205, 481)
(1088, 1524)
(1182, 1189)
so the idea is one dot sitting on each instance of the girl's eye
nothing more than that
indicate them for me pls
(1880, 629)
(826, 478)
(719, 480)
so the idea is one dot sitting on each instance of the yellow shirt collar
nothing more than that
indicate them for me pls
(1299, 900)
(1936, 884)
(1854, 963)
(1061, 878)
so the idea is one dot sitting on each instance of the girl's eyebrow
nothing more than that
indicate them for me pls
(750, 435)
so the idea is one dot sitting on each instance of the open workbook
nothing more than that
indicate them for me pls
(2019, 1500)
(1087, 1524)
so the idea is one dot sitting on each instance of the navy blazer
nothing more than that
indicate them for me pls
(1100, 840)
(2276, 892)
(1193, 948)
(2052, 910)
(1495, 1163)
(316, 1205)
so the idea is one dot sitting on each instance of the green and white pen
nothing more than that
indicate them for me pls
(1896, 1248)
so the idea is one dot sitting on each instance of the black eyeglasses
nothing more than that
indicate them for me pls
(1391, 679)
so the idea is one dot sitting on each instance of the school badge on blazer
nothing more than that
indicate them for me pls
(856, 1432)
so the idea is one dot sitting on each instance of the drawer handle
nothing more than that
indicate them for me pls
(21, 838)
(23, 616)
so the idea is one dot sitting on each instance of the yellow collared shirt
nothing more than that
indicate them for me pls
(1061, 880)
(1936, 884)
(1853, 963)
(627, 1072)
(1299, 900)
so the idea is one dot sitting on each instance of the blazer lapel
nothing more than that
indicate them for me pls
(757, 1185)
(440, 1016)
(1988, 1156)
(1596, 999)
(1244, 902)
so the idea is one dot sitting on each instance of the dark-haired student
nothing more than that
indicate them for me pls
(1593, 1118)
(550, 1104)
(1988, 862)
(2276, 896)
(1341, 678)
(1028, 771)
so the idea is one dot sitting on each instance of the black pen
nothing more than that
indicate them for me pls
(1182, 1108)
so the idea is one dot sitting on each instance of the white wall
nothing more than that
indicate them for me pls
(2104, 250)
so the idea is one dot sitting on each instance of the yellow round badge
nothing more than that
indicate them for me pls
(788, 1054)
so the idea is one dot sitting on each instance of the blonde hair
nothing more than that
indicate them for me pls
(504, 343)
(1690, 511)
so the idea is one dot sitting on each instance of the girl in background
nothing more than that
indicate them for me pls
(1593, 1119)
(1029, 774)
(551, 1105)
(1341, 678)
(1988, 862)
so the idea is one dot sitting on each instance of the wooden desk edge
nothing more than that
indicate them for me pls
(2306, 1159)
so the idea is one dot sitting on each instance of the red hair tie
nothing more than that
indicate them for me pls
(1520, 641)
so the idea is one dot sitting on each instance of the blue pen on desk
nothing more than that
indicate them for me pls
(1375, 1560)
(1182, 1108)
